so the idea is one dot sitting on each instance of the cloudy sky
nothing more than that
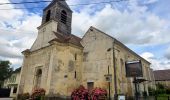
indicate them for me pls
(142, 25)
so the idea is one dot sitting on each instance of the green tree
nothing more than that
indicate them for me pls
(5, 70)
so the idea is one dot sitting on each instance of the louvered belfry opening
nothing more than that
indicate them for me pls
(63, 16)
(48, 15)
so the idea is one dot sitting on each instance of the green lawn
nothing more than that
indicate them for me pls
(163, 97)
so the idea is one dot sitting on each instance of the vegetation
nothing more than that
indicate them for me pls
(37, 94)
(161, 92)
(83, 94)
(24, 96)
(5, 71)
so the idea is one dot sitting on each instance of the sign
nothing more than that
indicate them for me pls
(108, 77)
(121, 97)
(134, 69)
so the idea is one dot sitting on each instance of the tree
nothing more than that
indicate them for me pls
(5, 70)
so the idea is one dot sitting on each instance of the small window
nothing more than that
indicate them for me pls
(75, 56)
(48, 15)
(63, 17)
(85, 56)
(39, 72)
(75, 75)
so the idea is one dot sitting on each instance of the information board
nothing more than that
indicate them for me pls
(134, 69)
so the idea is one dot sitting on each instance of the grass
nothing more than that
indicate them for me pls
(163, 97)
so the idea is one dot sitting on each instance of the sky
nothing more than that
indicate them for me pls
(142, 25)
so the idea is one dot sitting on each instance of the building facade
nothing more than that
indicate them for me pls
(12, 82)
(162, 77)
(59, 61)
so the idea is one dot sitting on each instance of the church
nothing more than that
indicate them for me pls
(59, 61)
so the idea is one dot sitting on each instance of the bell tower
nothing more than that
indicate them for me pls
(59, 11)
(57, 17)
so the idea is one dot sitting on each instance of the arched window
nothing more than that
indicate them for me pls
(38, 78)
(48, 15)
(63, 17)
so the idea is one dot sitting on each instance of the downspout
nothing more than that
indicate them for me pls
(115, 75)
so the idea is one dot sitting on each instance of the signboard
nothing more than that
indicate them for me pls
(121, 97)
(108, 77)
(134, 69)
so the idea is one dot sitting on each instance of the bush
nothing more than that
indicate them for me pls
(160, 86)
(160, 91)
(23, 96)
(83, 94)
(38, 94)
(144, 93)
(167, 91)
(80, 94)
(98, 93)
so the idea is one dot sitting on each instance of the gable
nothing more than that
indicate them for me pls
(94, 34)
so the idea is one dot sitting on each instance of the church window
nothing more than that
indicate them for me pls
(48, 15)
(63, 16)
(38, 78)
(75, 75)
(75, 56)
(85, 56)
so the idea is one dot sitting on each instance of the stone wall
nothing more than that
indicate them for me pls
(59, 67)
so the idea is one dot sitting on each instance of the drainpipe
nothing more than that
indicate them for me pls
(115, 75)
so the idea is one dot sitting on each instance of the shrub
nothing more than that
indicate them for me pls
(83, 94)
(160, 86)
(144, 93)
(23, 96)
(80, 94)
(168, 91)
(98, 93)
(38, 94)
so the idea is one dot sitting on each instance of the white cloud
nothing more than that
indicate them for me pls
(147, 55)
(156, 64)
(134, 25)
(18, 32)
(137, 26)
(167, 53)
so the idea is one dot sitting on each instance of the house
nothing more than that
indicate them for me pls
(162, 77)
(59, 61)
(12, 82)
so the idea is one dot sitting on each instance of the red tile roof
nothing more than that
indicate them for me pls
(162, 75)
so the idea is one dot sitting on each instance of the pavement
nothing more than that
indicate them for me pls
(6, 99)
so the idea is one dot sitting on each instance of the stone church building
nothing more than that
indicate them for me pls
(59, 61)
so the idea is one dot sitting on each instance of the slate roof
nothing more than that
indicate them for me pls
(67, 38)
(62, 2)
(162, 75)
